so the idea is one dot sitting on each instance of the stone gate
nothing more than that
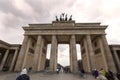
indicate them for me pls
(95, 51)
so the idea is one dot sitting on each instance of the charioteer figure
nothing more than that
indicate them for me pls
(64, 17)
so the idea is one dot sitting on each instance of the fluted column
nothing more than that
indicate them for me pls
(91, 52)
(18, 66)
(71, 62)
(44, 56)
(87, 55)
(117, 59)
(13, 60)
(37, 54)
(53, 54)
(40, 56)
(73, 54)
(4, 59)
(108, 54)
(103, 53)
(26, 54)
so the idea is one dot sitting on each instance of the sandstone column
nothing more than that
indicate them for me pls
(90, 51)
(4, 59)
(73, 54)
(37, 54)
(44, 56)
(117, 59)
(26, 53)
(53, 54)
(71, 63)
(18, 66)
(13, 60)
(108, 54)
(103, 53)
(87, 54)
(40, 57)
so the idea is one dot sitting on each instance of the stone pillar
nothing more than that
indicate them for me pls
(44, 55)
(87, 54)
(26, 53)
(103, 53)
(53, 54)
(90, 51)
(111, 64)
(117, 59)
(40, 57)
(71, 63)
(18, 66)
(13, 60)
(4, 59)
(73, 54)
(37, 54)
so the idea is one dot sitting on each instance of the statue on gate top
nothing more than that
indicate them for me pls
(63, 17)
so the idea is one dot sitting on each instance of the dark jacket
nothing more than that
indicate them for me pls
(118, 76)
(23, 77)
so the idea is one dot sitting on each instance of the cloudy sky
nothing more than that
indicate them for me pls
(17, 13)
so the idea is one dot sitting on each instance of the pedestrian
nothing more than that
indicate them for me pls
(109, 75)
(103, 72)
(57, 70)
(118, 75)
(102, 75)
(24, 71)
(81, 72)
(23, 75)
(30, 69)
(95, 73)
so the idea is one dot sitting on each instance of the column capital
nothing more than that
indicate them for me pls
(72, 36)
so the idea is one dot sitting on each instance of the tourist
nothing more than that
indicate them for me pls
(81, 72)
(95, 73)
(109, 75)
(102, 75)
(57, 70)
(118, 75)
(24, 71)
(23, 75)
(30, 69)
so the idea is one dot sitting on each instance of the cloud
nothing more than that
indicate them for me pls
(63, 54)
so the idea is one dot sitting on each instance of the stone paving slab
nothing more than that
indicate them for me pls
(45, 76)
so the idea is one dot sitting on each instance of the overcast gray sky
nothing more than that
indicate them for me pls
(17, 13)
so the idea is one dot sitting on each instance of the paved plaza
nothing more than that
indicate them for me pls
(46, 76)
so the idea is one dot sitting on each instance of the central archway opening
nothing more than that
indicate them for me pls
(63, 55)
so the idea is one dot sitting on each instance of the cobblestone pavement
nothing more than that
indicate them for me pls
(46, 76)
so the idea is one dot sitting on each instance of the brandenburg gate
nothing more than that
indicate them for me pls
(95, 51)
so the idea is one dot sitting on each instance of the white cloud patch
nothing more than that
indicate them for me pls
(63, 54)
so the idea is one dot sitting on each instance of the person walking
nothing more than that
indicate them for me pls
(95, 73)
(102, 75)
(24, 71)
(23, 75)
(109, 75)
(118, 75)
